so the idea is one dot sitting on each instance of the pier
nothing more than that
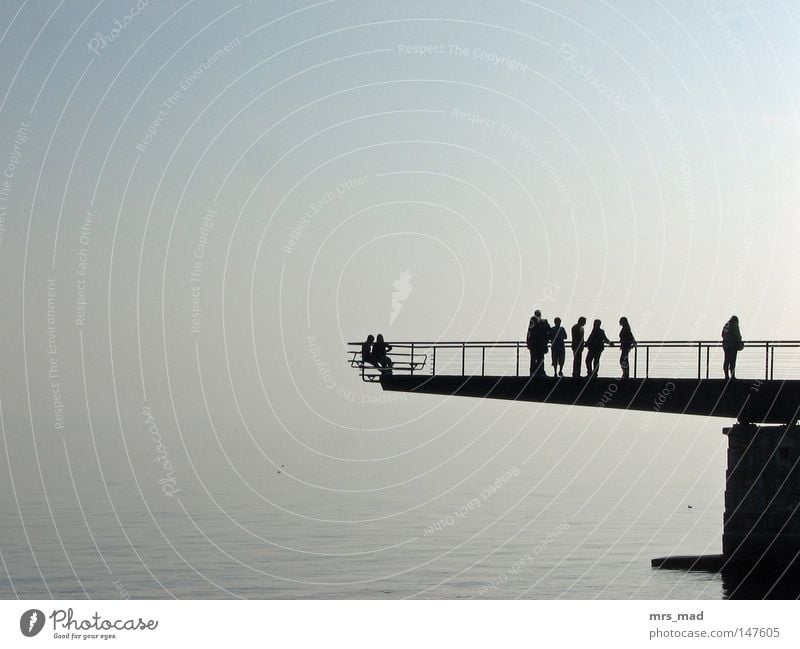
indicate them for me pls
(761, 521)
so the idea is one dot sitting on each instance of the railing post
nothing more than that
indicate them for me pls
(772, 363)
(412, 359)
(699, 359)
(483, 358)
(766, 361)
(463, 354)
(517, 372)
(433, 362)
(647, 362)
(708, 358)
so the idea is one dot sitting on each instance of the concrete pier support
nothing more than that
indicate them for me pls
(761, 523)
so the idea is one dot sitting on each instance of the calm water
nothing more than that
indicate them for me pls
(554, 524)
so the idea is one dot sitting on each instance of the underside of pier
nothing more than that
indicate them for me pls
(748, 401)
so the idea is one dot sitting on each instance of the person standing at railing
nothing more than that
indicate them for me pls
(731, 345)
(380, 351)
(595, 344)
(576, 341)
(557, 337)
(536, 341)
(529, 343)
(626, 343)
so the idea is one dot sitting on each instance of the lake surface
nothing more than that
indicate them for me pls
(576, 519)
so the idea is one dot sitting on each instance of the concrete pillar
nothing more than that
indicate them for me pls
(762, 495)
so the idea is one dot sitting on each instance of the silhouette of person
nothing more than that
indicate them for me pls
(538, 335)
(731, 345)
(380, 351)
(529, 341)
(595, 343)
(626, 343)
(557, 337)
(366, 351)
(577, 343)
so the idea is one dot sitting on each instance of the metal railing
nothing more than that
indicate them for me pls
(701, 359)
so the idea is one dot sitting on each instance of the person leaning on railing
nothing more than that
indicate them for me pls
(595, 343)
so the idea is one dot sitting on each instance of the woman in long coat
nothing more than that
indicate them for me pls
(731, 345)
(626, 343)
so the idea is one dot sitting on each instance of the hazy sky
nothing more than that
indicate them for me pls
(199, 188)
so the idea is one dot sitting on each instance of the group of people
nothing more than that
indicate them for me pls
(376, 353)
(541, 336)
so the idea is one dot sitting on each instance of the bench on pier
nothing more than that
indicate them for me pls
(401, 363)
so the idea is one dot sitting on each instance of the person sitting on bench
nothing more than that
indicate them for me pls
(367, 354)
(380, 352)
